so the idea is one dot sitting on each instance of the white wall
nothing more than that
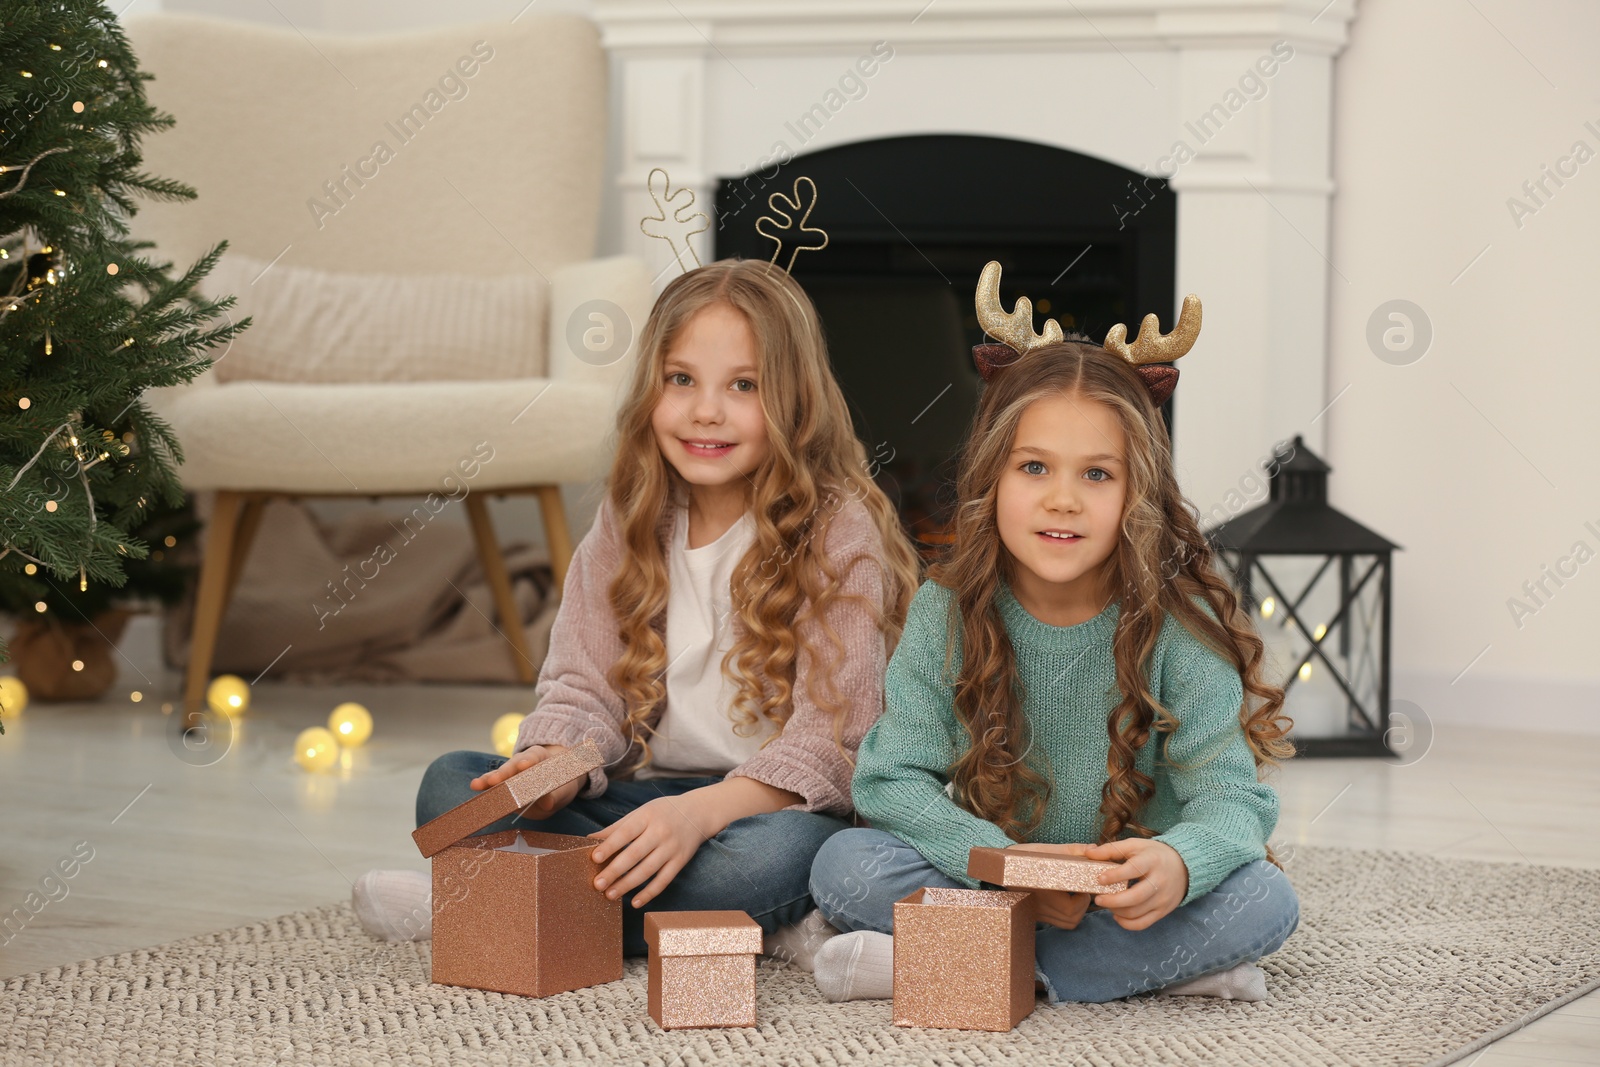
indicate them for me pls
(1474, 456)
(1479, 458)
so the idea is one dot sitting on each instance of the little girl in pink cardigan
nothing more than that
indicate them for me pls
(724, 628)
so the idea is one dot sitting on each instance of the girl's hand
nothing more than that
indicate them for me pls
(546, 805)
(652, 842)
(1162, 880)
(1057, 906)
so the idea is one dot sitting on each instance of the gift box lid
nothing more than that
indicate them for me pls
(701, 933)
(1026, 868)
(515, 793)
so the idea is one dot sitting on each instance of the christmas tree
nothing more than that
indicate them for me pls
(87, 322)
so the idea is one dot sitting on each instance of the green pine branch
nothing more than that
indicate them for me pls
(87, 469)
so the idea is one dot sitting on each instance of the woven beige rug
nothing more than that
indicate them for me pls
(1399, 959)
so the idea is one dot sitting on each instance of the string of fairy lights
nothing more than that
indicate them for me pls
(40, 272)
(316, 748)
(84, 458)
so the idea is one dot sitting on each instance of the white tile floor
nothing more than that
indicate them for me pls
(181, 849)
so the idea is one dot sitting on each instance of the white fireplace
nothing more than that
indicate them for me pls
(1231, 101)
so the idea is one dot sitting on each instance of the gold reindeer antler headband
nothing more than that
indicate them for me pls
(672, 221)
(802, 238)
(1015, 330)
(675, 220)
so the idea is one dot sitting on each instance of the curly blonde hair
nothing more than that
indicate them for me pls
(815, 463)
(1161, 563)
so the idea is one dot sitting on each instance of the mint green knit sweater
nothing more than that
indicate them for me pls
(1215, 814)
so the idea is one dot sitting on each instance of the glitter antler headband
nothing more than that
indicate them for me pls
(672, 221)
(1015, 329)
(1158, 347)
(801, 238)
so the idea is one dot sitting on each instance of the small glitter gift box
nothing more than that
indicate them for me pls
(702, 968)
(963, 958)
(1026, 868)
(517, 911)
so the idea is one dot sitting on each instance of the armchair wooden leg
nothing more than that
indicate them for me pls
(245, 536)
(249, 523)
(494, 568)
(556, 532)
(211, 599)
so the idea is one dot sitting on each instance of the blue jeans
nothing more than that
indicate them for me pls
(760, 865)
(859, 874)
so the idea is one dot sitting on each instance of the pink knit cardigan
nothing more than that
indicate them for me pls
(574, 700)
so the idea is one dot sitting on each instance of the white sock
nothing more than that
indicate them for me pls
(856, 966)
(798, 943)
(1243, 982)
(395, 905)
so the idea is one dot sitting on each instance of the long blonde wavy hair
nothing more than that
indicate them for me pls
(814, 465)
(1161, 562)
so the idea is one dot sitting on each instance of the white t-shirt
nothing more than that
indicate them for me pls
(694, 735)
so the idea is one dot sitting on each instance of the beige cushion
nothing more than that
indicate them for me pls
(323, 326)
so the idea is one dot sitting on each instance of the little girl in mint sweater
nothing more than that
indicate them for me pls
(1074, 675)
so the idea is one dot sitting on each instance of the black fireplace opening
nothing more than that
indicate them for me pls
(911, 221)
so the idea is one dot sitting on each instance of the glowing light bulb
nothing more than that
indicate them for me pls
(315, 749)
(228, 694)
(1268, 606)
(13, 695)
(503, 734)
(1305, 671)
(351, 724)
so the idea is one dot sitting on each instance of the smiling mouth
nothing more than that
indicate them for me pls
(708, 447)
(1064, 536)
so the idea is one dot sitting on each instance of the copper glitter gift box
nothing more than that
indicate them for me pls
(1026, 868)
(963, 959)
(517, 911)
(702, 968)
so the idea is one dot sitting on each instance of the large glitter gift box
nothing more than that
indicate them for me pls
(517, 911)
(963, 958)
(1021, 867)
(702, 968)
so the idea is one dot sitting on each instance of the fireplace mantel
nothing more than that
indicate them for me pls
(793, 26)
(714, 88)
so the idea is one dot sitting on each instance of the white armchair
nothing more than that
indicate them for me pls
(494, 138)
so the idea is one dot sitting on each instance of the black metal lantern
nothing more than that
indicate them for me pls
(1327, 641)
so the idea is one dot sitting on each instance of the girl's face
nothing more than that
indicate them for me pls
(1059, 506)
(708, 422)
